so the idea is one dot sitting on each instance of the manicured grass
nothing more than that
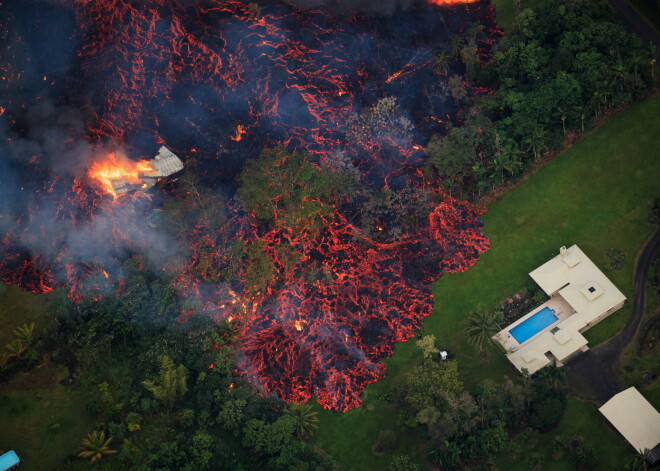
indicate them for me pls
(42, 420)
(580, 419)
(18, 307)
(597, 194)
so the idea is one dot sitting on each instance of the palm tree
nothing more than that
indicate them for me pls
(95, 446)
(513, 155)
(651, 54)
(480, 328)
(305, 419)
(229, 331)
(455, 46)
(15, 348)
(441, 63)
(536, 141)
(561, 114)
(553, 376)
(641, 458)
(581, 112)
(170, 384)
(25, 333)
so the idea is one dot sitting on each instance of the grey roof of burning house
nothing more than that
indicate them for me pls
(164, 164)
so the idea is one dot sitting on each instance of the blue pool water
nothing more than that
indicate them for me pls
(530, 327)
(8, 460)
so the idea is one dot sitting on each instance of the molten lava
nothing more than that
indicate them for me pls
(118, 168)
(451, 2)
(183, 74)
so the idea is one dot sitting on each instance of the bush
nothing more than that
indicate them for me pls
(616, 257)
(546, 409)
(535, 462)
(386, 442)
(402, 463)
(558, 447)
(582, 453)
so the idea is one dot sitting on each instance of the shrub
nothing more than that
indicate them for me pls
(402, 463)
(386, 441)
(546, 409)
(558, 447)
(582, 453)
(535, 462)
(616, 258)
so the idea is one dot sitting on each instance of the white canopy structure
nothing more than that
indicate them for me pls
(635, 418)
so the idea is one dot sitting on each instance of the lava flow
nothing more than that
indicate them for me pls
(217, 82)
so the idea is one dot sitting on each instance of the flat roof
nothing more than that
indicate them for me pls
(579, 281)
(588, 295)
(561, 341)
(634, 417)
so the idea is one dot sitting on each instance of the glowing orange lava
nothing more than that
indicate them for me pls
(240, 130)
(451, 2)
(115, 168)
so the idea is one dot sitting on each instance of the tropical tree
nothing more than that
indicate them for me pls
(561, 114)
(170, 384)
(480, 328)
(15, 348)
(536, 141)
(95, 446)
(229, 331)
(427, 345)
(651, 54)
(581, 112)
(553, 376)
(305, 418)
(455, 46)
(640, 459)
(441, 63)
(25, 333)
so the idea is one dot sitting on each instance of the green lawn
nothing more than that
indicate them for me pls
(597, 194)
(580, 419)
(18, 307)
(40, 419)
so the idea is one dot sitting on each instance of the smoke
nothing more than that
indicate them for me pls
(42, 156)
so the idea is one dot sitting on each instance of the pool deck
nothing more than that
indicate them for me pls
(581, 296)
(562, 309)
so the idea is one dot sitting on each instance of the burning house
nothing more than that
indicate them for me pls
(166, 163)
(294, 77)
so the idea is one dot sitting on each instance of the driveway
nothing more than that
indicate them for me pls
(594, 374)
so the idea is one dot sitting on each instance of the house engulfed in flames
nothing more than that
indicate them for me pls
(166, 163)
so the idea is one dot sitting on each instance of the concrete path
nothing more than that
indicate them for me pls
(594, 374)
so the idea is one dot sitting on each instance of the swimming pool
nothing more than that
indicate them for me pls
(532, 326)
(9, 460)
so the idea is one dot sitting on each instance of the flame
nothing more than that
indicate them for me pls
(451, 2)
(240, 130)
(327, 335)
(115, 168)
